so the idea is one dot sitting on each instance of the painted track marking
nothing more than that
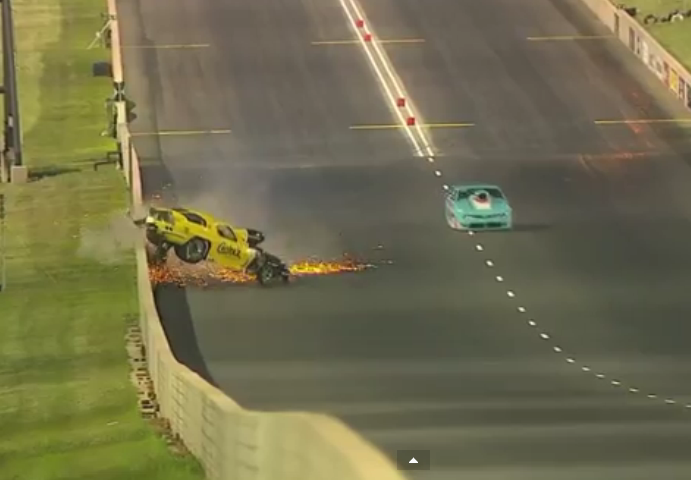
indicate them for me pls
(178, 133)
(393, 126)
(424, 145)
(168, 47)
(562, 38)
(400, 41)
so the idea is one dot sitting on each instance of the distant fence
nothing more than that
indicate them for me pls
(645, 47)
(233, 443)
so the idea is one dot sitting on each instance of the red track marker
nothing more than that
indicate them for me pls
(410, 121)
(400, 102)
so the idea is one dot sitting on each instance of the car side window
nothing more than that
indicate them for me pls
(195, 219)
(226, 232)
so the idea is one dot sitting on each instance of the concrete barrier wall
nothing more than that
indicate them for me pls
(629, 31)
(233, 443)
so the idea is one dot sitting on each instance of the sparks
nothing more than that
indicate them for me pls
(181, 274)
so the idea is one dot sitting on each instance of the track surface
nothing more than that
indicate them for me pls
(430, 352)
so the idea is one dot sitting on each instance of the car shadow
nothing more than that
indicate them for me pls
(531, 227)
(176, 319)
(520, 228)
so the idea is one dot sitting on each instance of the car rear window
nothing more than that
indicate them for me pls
(493, 192)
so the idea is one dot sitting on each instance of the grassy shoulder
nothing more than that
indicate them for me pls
(67, 407)
(674, 37)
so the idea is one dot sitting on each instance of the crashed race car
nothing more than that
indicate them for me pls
(196, 236)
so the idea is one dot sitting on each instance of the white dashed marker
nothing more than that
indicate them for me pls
(532, 323)
(652, 395)
(570, 360)
(557, 349)
(544, 336)
(521, 309)
(600, 376)
(489, 263)
(437, 173)
(669, 401)
(585, 369)
(445, 187)
(510, 294)
(479, 248)
(500, 278)
(430, 160)
(633, 390)
(616, 383)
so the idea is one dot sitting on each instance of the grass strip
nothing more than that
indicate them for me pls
(675, 37)
(67, 407)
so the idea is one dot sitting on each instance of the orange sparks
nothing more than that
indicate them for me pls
(181, 274)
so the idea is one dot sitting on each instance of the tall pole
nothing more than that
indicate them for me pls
(13, 142)
(3, 255)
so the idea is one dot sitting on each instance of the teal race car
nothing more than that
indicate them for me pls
(478, 207)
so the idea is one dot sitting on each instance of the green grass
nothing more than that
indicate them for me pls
(67, 407)
(674, 37)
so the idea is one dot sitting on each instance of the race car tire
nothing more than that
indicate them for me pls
(194, 251)
(265, 274)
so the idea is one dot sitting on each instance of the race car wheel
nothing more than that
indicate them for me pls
(265, 274)
(194, 251)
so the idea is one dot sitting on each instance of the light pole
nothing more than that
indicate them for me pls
(12, 150)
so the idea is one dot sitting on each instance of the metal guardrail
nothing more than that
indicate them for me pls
(233, 443)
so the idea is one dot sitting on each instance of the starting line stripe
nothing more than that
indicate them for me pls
(643, 121)
(423, 125)
(383, 42)
(171, 133)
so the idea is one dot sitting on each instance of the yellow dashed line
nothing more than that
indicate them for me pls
(171, 133)
(382, 42)
(643, 121)
(423, 125)
(569, 37)
(169, 47)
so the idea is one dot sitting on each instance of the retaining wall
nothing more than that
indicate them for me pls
(629, 31)
(233, 443)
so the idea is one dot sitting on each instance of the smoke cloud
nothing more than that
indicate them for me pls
(111, 243)
(254, 201)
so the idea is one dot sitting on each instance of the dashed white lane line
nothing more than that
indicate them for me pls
(570, 359)
(391, 83)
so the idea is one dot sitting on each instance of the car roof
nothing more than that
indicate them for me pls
(186, 212)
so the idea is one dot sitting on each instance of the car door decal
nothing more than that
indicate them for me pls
(228, 249)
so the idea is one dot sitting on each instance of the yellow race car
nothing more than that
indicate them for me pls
(196, 236)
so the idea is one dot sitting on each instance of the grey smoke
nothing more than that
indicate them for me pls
(111, 243)
(248, 201)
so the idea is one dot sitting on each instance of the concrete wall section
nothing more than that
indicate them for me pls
(645, 47)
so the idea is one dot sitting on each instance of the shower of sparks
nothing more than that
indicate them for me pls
(181, 274)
